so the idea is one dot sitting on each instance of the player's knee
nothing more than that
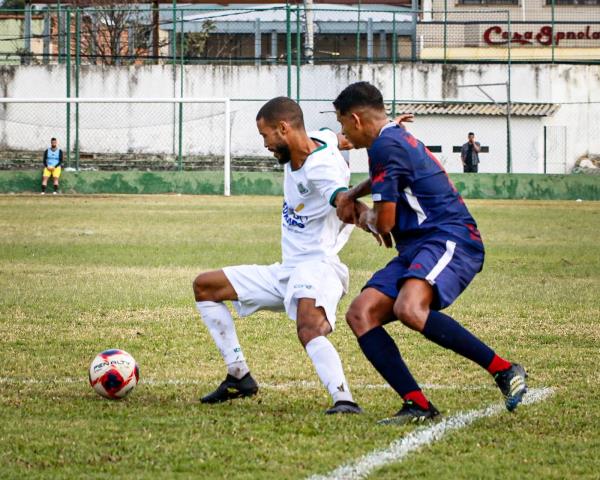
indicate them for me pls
(202, 290)
(308, 332)
(411, 314)
(357, 319)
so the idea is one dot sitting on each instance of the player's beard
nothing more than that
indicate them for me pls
(283, 154)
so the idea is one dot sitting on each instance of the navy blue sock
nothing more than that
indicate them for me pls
(381, 350)
(448, 333)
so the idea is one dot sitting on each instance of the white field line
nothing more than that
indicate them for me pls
(303, 384)
(399, 449)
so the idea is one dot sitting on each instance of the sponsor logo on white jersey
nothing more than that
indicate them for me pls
(292, 218)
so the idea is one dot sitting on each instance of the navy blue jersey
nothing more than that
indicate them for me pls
(404, 171)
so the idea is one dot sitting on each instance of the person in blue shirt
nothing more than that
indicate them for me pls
(440, 251)
(53, 159)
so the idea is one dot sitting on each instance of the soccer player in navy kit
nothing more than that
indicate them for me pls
(439, 252)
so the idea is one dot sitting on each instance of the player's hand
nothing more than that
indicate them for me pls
(50, 169)
(345, 207)
(404, 117)
(366, 220)
(362, 221)
(359, 208)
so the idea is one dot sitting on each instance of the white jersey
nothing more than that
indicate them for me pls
(310, 228)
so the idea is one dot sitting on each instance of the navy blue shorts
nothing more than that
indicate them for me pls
(446, 263)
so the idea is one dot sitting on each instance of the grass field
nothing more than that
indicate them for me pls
(82, 274)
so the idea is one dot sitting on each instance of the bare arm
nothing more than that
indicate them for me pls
(379, 220)
(404, 117)
(382, 217)
(477, 147)
(360, 190)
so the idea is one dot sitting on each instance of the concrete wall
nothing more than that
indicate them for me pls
(484, 185)
(150, 128)
(448, 132)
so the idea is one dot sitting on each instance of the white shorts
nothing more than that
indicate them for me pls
(278, 288)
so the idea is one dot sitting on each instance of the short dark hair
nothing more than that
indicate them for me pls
(53, 139)
(471, 133)
(281, 108)
(357, 95)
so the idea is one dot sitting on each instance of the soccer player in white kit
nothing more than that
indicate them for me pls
(310, 280)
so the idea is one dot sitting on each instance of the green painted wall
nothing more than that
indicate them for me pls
(482, 185)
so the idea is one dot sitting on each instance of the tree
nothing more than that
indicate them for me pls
(117, 33)
(14, 4)
(195, 42)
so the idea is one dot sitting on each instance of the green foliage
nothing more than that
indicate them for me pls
(80, 274)
(195, 42)
(14, 4)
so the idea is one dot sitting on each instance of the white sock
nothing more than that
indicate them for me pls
(218, 320)
(329, 368)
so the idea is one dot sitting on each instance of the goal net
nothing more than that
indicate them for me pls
(150, 134)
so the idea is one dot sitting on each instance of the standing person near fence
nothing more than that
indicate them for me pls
(469, 154)
(53, 159)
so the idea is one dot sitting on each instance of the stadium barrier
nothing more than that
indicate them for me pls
(472, 186)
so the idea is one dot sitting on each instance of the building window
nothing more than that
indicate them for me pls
(495, 2)
(573, 2)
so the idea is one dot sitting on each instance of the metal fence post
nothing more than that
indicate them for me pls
(68, 69)
(47, 35)
(174, 41)
(413, 50)
(288, 47)
(180, 145)
(369, 39)
(445, 29)
(257, 42)
(227, 153)
(173, 55)
(545, 149)
(58, 32)
(298, 52)
(394, 55)
(77, 65)
(358, 34)
(553, 26)
(508, 103)
(27, 33)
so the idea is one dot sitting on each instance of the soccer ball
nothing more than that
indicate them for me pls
(113, 374)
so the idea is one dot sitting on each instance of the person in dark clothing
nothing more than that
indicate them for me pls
(469, 154)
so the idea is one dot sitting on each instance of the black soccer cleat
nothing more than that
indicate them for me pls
(411, 413)
(344, 406)
(232, 388)
(513, 385)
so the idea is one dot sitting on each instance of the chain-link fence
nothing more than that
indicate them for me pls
(107, 34)
(192, 136)
(118, 134)
(253, 54)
